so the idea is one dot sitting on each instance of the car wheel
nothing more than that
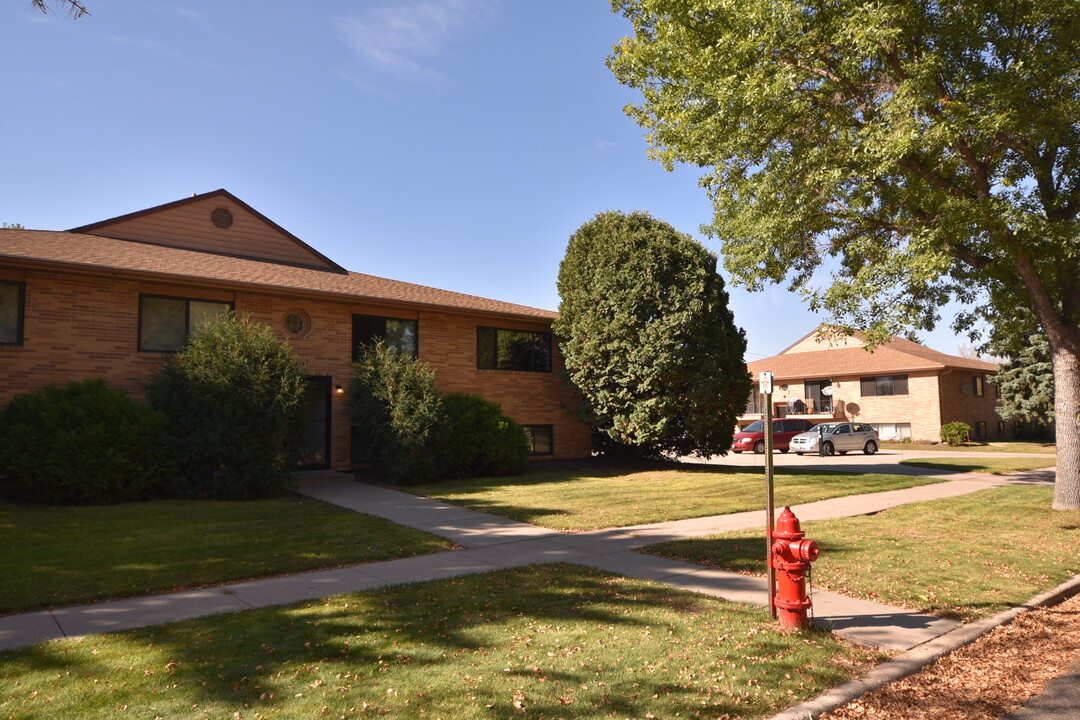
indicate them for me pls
(736, 451)
(842, 452)
(829, 449)
(759, 447)
(870, 447)
(799, 454)
(783, 450)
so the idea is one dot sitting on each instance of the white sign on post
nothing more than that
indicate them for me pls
(765, 380)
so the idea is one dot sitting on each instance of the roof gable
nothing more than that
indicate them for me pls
(217, 222)
(828, 355)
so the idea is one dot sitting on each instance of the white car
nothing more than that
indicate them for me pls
(840, 438)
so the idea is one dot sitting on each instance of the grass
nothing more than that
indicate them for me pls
(65, 555)
(964, 557)
(594, 494)
(555, 641)
(995, 447)
(994, 466)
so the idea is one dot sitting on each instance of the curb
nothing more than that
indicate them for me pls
(919, 657)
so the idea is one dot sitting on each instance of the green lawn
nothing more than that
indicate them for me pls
(591, 495)
(68, 555)
(996, 447)
(995, 466)
(963, 557)
(543, 642)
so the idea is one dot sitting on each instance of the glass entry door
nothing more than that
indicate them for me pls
(315, 448)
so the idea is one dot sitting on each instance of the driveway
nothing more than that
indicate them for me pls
(884, 461)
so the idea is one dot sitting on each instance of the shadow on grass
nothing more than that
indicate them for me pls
(542, 637)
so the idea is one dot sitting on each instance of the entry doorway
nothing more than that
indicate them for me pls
(315, 447)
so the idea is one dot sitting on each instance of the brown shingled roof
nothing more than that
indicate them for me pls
(898, 355)
(78, 250)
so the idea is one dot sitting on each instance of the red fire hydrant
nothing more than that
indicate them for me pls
(791, 557)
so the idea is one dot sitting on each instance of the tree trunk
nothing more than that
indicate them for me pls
(1063, 336)
(1066, 363)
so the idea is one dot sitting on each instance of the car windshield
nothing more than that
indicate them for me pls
(826, 428)
(758, 426)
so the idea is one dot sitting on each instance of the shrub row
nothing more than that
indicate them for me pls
(414, 434)
(224, 422)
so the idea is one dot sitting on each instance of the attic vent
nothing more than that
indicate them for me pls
(221, 218)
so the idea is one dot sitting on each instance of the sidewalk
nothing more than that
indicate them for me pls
(492, 542)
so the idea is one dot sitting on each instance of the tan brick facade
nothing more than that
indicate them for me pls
(940, 388)
(84, 324)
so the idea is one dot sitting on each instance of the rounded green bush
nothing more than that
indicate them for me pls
(235, 398)
(82, 443)
(955, 433)
(480, 440)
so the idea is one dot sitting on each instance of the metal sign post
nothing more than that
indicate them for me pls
(766, 381)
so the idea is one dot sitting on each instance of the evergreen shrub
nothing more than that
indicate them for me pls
(480, 440)
(235, 398)
(955, 433)
(398, 414)
(83, 443)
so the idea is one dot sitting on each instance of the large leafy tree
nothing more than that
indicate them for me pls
(917, 151)
(648, 338)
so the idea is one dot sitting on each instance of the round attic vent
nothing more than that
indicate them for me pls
(221, 218)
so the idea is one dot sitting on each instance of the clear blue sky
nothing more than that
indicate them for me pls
(451, 143)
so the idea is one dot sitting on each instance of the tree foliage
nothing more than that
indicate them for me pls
(918, 151)
(72, 7)
(82, 443)
(955, 433)
(235, 398)
(648, 338)
(1026, 383)
(398, 414)
(479, 440)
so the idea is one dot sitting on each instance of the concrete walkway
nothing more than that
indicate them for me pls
(491, 542)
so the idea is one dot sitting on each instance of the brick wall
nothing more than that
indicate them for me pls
(933, 399)
(960, 403)
(80, 325)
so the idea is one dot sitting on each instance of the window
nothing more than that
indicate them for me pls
(820, 392)
(892, 431)
(755, 404)
(397, 333)
(884, 385)
(166, 322)
(11, 313)
(980, 429)
(978, 386)
(540, 439)
(500, 349)
(1001, 428)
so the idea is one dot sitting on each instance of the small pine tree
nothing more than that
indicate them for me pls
(1026, 383)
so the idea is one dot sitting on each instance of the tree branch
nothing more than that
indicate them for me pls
(74, 8)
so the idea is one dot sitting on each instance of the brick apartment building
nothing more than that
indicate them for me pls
(903, 389)
(117, 298)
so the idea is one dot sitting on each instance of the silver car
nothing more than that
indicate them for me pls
(841, 437)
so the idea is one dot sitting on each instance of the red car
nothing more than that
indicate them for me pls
(752, 437)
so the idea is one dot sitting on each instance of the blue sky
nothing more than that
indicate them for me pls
(451, 143)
